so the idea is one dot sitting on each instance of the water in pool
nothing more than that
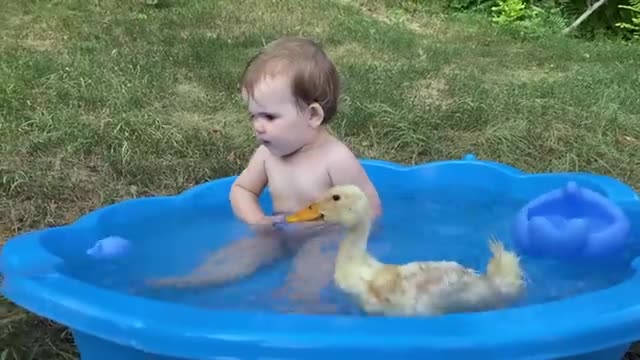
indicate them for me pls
(436, 224)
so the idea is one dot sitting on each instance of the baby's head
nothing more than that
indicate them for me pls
(291, 88)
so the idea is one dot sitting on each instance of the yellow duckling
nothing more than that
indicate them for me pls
(416, 288)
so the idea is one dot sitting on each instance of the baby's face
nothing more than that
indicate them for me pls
(278, 122)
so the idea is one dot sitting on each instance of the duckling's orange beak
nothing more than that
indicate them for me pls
(309, 213)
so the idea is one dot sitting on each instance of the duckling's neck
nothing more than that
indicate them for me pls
(353, 248)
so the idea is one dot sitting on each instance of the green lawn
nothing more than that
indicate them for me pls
(107, 100)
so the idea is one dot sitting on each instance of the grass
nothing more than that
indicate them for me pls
(106, 100)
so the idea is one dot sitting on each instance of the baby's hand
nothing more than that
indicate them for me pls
(275, 219)
(267, 224)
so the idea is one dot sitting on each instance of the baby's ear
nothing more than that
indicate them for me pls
(316, 115)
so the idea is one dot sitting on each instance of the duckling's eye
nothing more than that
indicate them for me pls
(336, 197)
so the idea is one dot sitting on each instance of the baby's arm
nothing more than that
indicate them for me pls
(239, 258)
(344, 168)
(247, 188)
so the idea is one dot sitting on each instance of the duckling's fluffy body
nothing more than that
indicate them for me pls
(415, 288)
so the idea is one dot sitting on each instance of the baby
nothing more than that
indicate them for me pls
(291, 89)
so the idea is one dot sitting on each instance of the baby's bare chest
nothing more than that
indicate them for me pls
(293, 184)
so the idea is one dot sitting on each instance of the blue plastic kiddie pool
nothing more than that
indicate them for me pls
(574, 308)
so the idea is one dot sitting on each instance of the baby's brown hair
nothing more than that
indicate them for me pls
(314, 77)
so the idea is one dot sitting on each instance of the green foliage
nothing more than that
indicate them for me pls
(527, 19)
(544, 17)
(634, 25)
(508, 11)
(542, 21)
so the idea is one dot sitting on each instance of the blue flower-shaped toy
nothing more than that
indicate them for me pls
(571, 222)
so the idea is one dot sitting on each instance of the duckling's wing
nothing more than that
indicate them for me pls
(449, 287)
(425, 285)
(426, 277)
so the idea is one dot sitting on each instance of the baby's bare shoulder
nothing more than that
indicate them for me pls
(338, 152)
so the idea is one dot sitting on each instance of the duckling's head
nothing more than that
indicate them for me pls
(344, 204)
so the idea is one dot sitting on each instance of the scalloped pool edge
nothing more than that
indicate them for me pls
(593, 321)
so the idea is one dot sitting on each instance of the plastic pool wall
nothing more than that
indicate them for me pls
(108, 324)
